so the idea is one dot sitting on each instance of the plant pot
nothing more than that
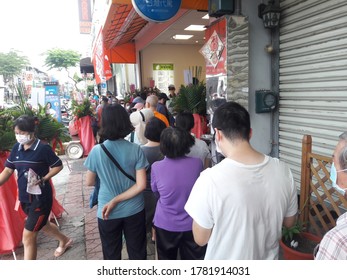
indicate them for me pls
(85, 134)
(291, 254)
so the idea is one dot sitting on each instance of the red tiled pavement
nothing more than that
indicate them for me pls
(79, 222)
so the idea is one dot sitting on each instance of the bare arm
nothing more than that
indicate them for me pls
(288, 222)
(90, 178)
(138, 187)
(5, 175)
(52, 172)
(201, 235)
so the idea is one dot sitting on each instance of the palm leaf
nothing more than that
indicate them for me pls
(191, 98)
(48, 128)
(7, 140)
(7, 137)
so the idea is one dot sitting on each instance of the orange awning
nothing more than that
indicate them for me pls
(123, 24)
(124, 53)
(186, 4)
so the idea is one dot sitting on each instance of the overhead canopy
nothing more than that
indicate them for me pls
(123, 24)
(186, 4)
(86, 65)
(124, 53)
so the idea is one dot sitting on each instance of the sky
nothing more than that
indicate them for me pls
(35, 26)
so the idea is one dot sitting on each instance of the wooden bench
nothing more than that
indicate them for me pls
(320, 205)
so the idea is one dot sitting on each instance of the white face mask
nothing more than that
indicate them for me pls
(23, 138)
(333, 178)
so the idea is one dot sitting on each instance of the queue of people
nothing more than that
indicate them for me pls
(163, 185)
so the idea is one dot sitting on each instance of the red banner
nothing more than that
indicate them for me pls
(11, 220)
(102, 68)
(85, 134)
(215, 49)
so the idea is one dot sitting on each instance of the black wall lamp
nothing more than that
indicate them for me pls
(270, 14)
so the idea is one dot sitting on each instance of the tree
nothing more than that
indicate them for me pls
(62, 59)
(12, 64)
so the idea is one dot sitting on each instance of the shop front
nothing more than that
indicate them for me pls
(237, 71)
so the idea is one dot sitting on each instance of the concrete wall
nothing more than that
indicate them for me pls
(259, 75)
(182, 56)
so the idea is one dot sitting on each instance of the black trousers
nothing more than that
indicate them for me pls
(134, 229)
(170, 242)
(150, 204)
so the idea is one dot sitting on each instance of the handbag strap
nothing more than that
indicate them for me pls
(116, 162)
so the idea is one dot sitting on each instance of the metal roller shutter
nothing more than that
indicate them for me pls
(313, 77)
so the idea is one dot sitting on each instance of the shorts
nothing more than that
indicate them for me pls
(38, 212)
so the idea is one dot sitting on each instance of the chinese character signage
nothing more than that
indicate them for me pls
(162, 66)
(156, 10)
(85, 16)
(163, 74)
(214, 50)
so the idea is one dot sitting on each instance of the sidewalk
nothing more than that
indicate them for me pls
(79, 222)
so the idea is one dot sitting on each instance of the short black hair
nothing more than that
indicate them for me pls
(143, 95)
(233, 120)
(185, 120)
(175, 142)
(115, 122)
(26, 123)
(105, 99)
(154, 128)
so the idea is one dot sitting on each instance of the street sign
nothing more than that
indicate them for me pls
(157, 11)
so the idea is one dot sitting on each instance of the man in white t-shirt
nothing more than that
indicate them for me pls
(240, 205)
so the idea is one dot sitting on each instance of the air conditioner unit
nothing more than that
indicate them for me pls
(218, 8)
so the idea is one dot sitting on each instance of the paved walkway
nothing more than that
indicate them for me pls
(79, 222)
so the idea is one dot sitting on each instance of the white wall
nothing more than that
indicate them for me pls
(182, 56)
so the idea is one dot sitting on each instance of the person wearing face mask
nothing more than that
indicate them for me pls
(31, 156)
(334, 243)
(240, 204)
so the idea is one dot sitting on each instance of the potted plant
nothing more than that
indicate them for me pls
(83, 113)
(297, 243)
(192, 98)
(48, 128)
(82, 108)
(7, 137)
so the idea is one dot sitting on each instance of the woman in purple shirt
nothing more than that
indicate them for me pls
(173, 178)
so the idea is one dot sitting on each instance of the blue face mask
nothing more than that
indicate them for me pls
(333, 178)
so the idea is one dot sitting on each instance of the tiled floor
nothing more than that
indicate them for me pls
(79, 222)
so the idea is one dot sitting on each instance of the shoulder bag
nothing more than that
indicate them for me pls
(116, 163)
(93, 199)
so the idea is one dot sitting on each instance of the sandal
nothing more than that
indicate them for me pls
(61, 250)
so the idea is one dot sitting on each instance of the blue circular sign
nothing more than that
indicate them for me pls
(156, 10)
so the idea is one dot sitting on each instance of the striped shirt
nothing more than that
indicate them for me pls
(39, 157)
(334, 243)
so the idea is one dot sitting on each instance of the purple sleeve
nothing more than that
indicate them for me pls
(153, 179)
